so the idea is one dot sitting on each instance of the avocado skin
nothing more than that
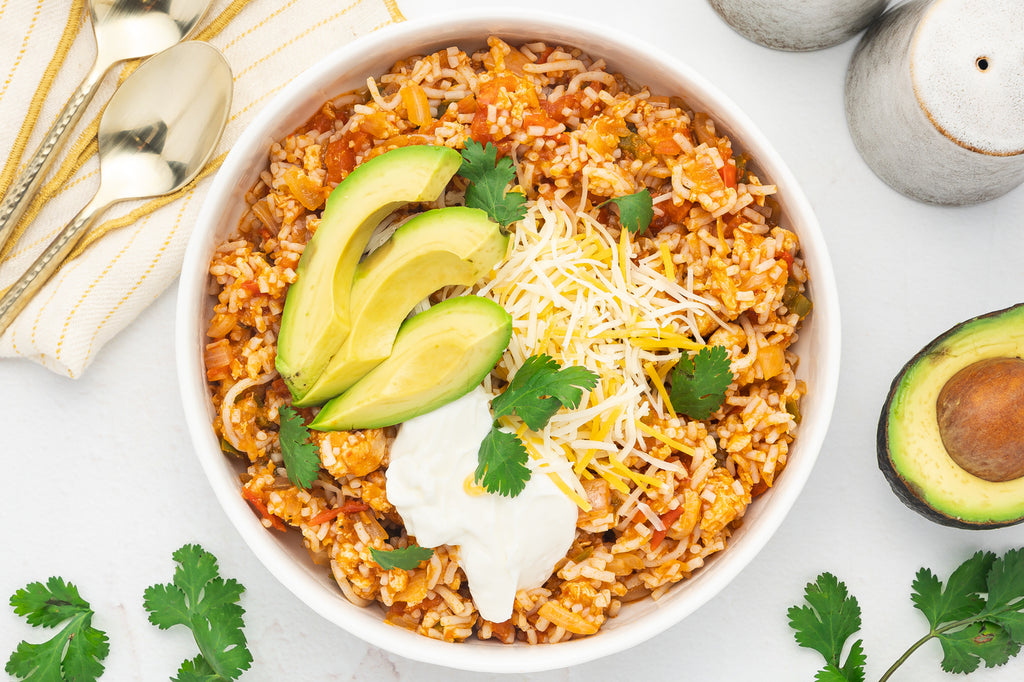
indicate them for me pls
(908, 493)
(471, 330)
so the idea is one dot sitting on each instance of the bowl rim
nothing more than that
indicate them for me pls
(487, 657)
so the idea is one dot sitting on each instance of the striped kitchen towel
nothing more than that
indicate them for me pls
(136, 250)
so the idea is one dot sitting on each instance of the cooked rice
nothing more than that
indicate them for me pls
(579, 135)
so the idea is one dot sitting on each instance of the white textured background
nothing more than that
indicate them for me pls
(101, 484)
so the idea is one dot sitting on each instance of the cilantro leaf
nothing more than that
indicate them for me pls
(963, 650)
(635, 210)
(406, 558)
(540, 388)
(488, 179)
(74, 653)
(978, 617)
(699, 383)
(830, 617)
(301, 460)
(502, 463)
(480, 164)
(1005, 603)
(207, 604)
(970, 628)
(197, 670)
(960, 598)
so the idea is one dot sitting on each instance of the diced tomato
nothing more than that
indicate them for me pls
(467, 105)
(668, 518)
(350, 507)
(322, 122)
(491, 92)
(480, 128)
(340, 156)
(728, 173)
(555, 108)
(668, 147)
(543, 58)
(539, 119)
(788, 257)
(670, 214)
(253, 499)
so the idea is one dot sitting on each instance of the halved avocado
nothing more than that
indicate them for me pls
(446, 246)
(983, 400)
(315, 320)
(439, 355)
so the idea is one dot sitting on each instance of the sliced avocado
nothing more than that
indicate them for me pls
(953, 374)
(316, 311)
(439, 355)
(439, 248)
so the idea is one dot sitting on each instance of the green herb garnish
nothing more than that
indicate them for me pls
(699, 383)
(978, 617)
(501, 464)
(830, 617)
(74, 653)
(636, 210)
(488, 179)
(301, 460)
(206, 604)
(538, 390)
(406, 558)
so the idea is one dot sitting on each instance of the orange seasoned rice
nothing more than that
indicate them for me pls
(578, 135)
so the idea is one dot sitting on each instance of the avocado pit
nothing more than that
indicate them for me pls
(980, 412)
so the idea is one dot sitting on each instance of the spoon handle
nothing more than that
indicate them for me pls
(18, 296)
(17, 198)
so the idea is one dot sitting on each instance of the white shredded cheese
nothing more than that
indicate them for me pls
(576, 293)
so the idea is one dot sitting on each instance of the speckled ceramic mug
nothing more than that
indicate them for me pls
(935, 99)
(798, 25)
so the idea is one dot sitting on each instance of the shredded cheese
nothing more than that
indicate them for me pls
(578, 294)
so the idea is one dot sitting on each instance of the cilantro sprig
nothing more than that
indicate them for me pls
(489, 177)
(537, 391)
(830, 617)
(301, 460)
(406, 558)
(977, 616)
(206, 604)
(699, 383)
(74, 653)
(636, 210)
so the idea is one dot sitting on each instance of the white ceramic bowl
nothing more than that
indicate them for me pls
(348, 69)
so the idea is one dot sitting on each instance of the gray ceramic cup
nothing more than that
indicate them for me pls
(798, 25)
(935, 99)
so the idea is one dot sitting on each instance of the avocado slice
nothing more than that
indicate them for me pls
(439, 355)
(446, 246)
(315, 320)
(912, 448)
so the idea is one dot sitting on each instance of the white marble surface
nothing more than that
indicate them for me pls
(102, 486)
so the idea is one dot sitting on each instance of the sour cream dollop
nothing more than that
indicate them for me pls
(505, 544)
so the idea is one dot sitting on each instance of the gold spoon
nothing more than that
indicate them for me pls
(159, 130)
(124, 29)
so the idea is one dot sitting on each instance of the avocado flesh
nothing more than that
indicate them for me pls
(439, 248)
(910, 449)
(315, 320)
(439, 355)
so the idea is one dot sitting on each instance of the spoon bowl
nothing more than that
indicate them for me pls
(158, 132)
(127, 29)
(124, 29)
(161, 128)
